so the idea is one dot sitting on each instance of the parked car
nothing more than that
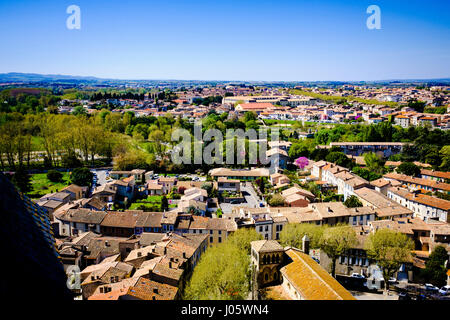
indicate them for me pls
(445, 290)
(404, 296)
(430, 287)
(392, 280)
(357, 275)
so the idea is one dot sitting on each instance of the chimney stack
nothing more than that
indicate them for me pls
(305, 244)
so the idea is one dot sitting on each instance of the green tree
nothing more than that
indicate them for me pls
(276, 200)
(79, 110)
(435, 271)
(374, 162)
(336, 241)
(21, 180)
(339, 158)
(408, 168)
(54, 176)
(81, 176)
(292, 234)
(164, 204)
(223, 272)
(353, 202)
(390, 249)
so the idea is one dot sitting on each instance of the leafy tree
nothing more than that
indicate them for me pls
(276, 200)
(408, 168)
(292, 234)
(243, 237)
(21, 180)
(373, 162)
(445, 154)
(54, 176)
(164, 204)
(79, 110)
(82, 176)
(336, 241)
(418, 106)
(435, 271)
(353, 202)
(366, 173)
(223, 272)
(339, 158)
(390, 249)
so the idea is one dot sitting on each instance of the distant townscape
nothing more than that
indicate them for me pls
(354, 202)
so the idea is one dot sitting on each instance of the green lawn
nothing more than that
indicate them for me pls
(41, 185)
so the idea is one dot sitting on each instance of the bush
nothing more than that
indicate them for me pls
(276, 200)
(54, 176)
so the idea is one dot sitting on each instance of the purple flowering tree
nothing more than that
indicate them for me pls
(301, 162)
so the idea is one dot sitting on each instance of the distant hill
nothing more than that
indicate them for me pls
(35, 77)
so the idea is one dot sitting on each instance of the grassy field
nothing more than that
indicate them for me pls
(41, 185)
(339, 98)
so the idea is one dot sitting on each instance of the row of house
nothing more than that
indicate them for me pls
(73, 222)
(145, 267)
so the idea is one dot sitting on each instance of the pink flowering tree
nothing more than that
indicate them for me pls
(301, 162)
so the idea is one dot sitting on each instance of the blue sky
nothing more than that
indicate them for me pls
(228, 40)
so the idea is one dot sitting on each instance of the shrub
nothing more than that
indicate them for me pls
(54, 176)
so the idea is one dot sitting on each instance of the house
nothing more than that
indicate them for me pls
(278, 179)
(167, 183)
(317, 169)
(278, 159)
(76, 192)
(297, 197)
(106, 193)
(225, 184)
(385, 149)
(239, 174)
(75, 221)
(154, 188)
(331, 213)
(120, 224)
(146, 289)
(257, 107)
(414, 183)
(266, 257)
(425, 207)
(381, 185)
(439, 176)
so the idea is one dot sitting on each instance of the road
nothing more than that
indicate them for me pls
(251, 199)
(359, 295)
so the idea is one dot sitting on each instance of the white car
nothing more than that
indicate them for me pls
(445, 290)
(430, 287)
(357, 275)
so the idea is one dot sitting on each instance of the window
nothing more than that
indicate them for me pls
(210, 232)
(220, 231)
(211, 239)
(220, 239)
(260, 229)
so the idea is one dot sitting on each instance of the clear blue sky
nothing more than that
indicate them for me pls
(227, 40)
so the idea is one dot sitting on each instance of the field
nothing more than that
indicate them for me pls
(41, 185)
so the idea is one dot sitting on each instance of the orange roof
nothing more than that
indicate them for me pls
(311, 280)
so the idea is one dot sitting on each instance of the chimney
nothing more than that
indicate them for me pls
(106, 243)
(139, 254)
(305, 244)
(155, 290)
